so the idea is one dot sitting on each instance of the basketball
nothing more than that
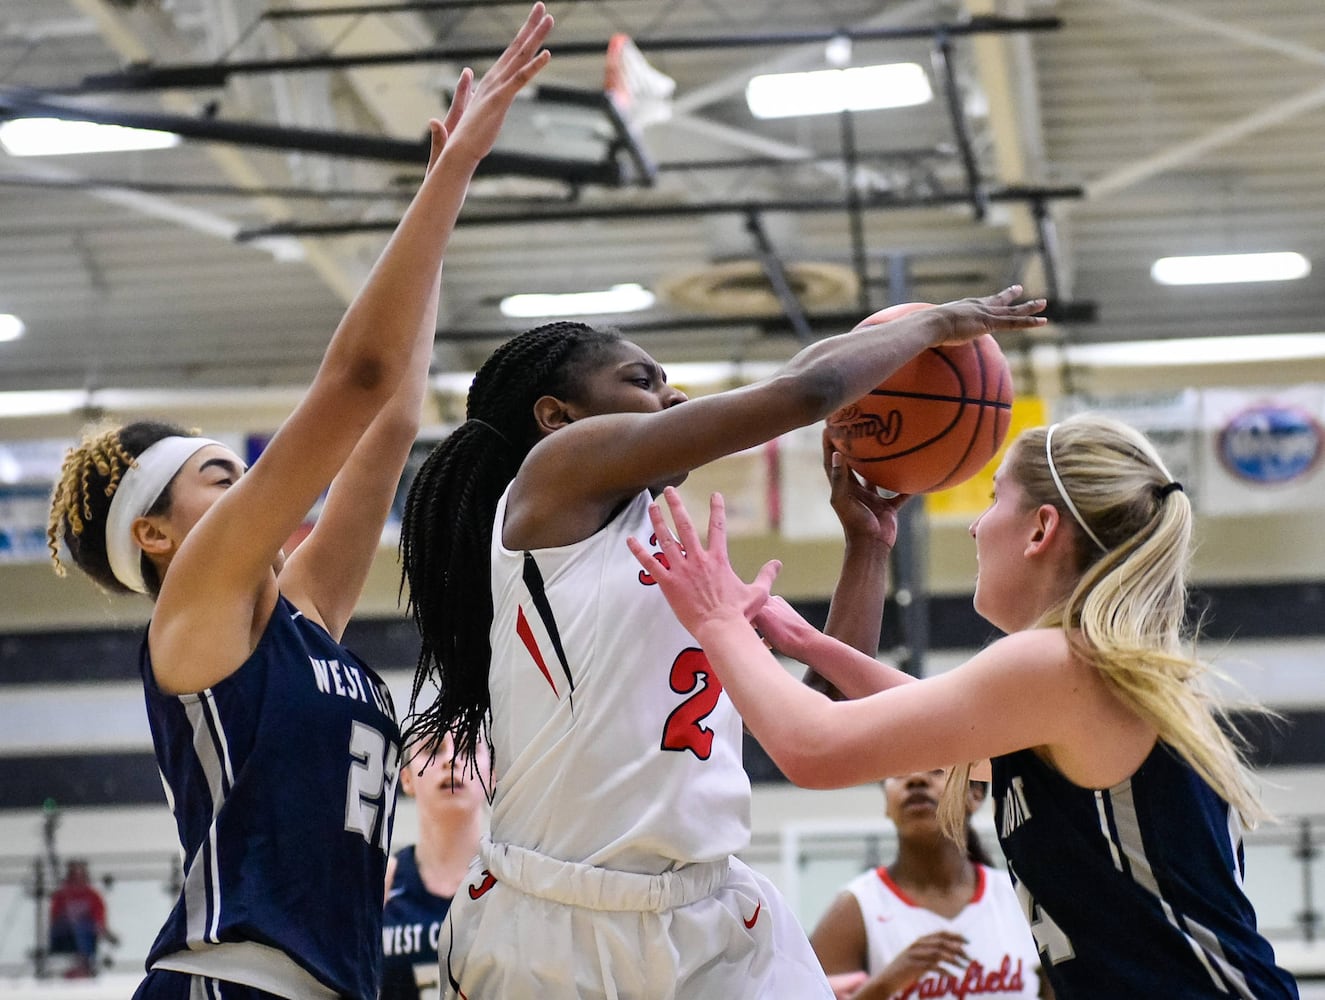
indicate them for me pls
(933, 423)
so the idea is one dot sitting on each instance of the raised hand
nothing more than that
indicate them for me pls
(438, 132)
(864, 514)
(477, 111)
(967, 319)
(699, 582)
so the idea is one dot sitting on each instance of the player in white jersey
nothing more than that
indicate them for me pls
(619, 796)
(567, 736)
(937, 921)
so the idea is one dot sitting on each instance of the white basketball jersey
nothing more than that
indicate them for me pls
(1004, 962)
(613, 742)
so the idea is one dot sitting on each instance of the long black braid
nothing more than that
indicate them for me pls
(446, 531)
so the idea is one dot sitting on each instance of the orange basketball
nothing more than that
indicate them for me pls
(933, 423)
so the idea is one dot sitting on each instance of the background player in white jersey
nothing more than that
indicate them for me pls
(1118, 796)
(939, 920)
(282, 890)
(619, 792)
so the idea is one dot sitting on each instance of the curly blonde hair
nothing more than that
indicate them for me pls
(89, 476)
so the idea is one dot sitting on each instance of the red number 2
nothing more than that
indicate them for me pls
(692, 675)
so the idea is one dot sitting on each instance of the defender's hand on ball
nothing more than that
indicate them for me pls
(967, 319)
(698, 581)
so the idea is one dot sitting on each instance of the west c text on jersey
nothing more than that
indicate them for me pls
(348, 681)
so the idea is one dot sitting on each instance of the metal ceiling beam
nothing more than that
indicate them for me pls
(1006, 69)
(361, 9)
(20, 103)
(1267, 117)
(944, 70)
(1242, 36)
(855, 216)
(774, 325)
(776, 273)
(398, 100)
(1192, 149)
(215, 74)
(77, 182)
(530, 216)
(68, 181)
(137, 35)
(684, 106)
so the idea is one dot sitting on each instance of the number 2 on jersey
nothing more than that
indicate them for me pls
(371, 788)
(685, 729)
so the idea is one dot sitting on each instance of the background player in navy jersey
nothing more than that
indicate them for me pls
(939, 920)
(619, 795)
(1119, 798)
(283, 879)
(421, 879)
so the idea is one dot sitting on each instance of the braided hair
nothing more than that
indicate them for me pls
(446, 530)
(81, 499)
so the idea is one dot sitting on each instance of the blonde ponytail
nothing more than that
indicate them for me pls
(1127, 612)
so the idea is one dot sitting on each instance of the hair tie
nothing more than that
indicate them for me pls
(1173, 486)
(504, 439)
(1062, 490)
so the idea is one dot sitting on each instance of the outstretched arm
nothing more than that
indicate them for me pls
(842, 671)
(616, 455)
(326, 574)
(218, 578)
(978, 710)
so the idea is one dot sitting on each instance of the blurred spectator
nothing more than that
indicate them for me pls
(78, 920)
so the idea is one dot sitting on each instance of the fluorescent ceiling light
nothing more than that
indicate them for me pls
(57, 137)
(617, 299)
(1187, 352)
(828, 91)
(41, 402)
(11, 327)
(1221, 269)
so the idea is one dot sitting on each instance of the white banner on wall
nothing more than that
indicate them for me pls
(1263, 450)
(1172, 422)
(1236, 451)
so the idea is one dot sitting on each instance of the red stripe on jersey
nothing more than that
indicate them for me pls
(526, 635)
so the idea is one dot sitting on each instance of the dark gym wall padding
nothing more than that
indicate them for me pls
(1244, 611)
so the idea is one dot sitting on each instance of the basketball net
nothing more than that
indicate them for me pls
(642, 94)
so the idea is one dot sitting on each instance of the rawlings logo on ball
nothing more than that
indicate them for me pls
(851, 424)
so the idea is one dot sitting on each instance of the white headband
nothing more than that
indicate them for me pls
(1062, 490)
(139, 488)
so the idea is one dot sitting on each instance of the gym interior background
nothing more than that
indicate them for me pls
(1065, 144)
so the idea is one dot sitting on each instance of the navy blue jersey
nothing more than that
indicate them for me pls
(282, 780)
(411, 928)
(1134, 890)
